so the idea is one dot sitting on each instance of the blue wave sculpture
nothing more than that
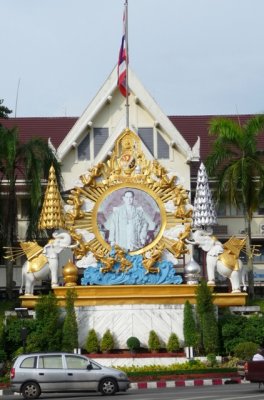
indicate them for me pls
(136, 275)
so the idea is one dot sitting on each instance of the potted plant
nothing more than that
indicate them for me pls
(173, 343)
(92, 342)
(153, 342)
(133, 344)
(107, 342)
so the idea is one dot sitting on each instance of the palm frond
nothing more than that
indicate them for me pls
(225, 128)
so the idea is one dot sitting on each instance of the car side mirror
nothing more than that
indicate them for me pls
(89, 367)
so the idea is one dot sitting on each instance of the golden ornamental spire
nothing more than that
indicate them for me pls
(52, 214)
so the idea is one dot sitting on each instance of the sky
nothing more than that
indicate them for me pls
(195, 57)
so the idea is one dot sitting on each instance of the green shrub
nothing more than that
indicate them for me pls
(48, 326)
(231, 362)
(208, 324)
(13, 334)
(92, 342)
(211, 360)
(107, 342)
(153, 341)
(193, 363)
(3, 356)
(70, 326)
(245, 350)
(133, 343)
(190, 330)
(173, 343)
(192, 366)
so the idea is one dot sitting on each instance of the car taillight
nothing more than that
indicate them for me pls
(246, 367)
(12, 373)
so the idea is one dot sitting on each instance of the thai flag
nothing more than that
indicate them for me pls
(122, 61)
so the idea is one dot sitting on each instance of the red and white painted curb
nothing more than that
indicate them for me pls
(195, 382)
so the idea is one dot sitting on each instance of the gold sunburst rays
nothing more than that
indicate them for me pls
(127, 169)
(79, 224)
(167, 243)
(88, 193)
(84, 222)
(97, 246)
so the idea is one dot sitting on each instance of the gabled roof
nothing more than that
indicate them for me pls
(146, 101)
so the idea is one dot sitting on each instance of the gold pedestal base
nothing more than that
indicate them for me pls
(135, 294)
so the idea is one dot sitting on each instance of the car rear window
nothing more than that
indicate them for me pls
(50, 362)
(29, 362)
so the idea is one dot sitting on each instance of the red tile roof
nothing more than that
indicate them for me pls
(55, 128)
(190, 127)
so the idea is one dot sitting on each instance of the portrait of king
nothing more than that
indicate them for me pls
(130, 218)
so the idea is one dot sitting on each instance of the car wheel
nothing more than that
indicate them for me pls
(30, 390)
(108, 387)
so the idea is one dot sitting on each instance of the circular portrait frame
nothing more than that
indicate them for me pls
(150, 208)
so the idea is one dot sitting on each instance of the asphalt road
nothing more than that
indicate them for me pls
(215, 392)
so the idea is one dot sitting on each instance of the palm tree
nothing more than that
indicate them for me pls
(28, 162)
(237, 164)
(4, 111)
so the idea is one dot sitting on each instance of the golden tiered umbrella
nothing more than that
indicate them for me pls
(52, 214)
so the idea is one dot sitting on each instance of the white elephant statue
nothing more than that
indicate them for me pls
(45, 264)
(216, 258)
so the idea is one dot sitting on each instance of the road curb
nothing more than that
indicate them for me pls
(4, 392)
(180, 383)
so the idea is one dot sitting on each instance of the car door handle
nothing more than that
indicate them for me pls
(70, 374)
(41, 373)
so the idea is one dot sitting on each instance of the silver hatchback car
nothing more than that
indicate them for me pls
(36, 373)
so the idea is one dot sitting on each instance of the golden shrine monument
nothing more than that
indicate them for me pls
(129, 222)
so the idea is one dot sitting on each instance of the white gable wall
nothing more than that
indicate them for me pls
(108, 110)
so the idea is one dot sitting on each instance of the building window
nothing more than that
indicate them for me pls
(84, 149)
(146, 135)
(229, 210)
(236, 211)
(260, 210)
(260, 257)
(163, 147)
(221, 209)
(154, 142)
(100, 137)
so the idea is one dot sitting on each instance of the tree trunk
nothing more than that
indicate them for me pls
(9, 279)
(11, 241)
(249, 260)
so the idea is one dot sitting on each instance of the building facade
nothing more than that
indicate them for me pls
(179, 143)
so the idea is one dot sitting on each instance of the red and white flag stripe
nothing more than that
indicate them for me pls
(122, 60)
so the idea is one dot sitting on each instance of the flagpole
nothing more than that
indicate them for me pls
(126, 42)
(122, 66)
